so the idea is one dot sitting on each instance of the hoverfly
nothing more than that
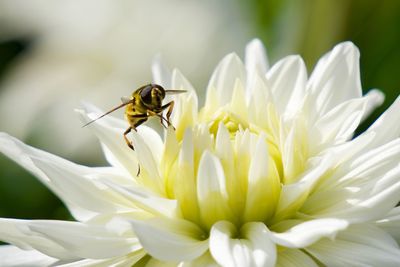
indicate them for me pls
(145, 102)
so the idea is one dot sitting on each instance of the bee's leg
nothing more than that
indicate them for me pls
(138, 170)
(162, 119)
(170, 107)
(129, 143)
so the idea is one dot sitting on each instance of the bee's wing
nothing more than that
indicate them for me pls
(174, 92)
(125, 99)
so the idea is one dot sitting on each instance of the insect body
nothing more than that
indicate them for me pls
(144, 103)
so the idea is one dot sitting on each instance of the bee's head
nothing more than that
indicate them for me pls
(152, 93)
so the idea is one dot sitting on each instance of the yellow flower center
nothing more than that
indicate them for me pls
(232, 122)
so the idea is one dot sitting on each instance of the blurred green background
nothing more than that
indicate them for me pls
(309, 28)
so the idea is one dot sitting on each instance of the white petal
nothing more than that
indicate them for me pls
(110, 135)
(171, 240)
(337, 125)
(123, 261)
(184, 184)
(211, 190)
(288, 78)
(82, 240)
(307, 233)
(153, 262)
(259, 101)
(206, 260)
(224, 151)
(17, 232)
(24, 154)
(73, 186)
(376, 99)
(256, 63)
(224, 78)
(360, 245)
(185, 110)
(66, 240)
(256, 249)
(148, 201)
(263, 185)
(385, 127)
(150, 175)
(336, 78)
(256, 57)
(391, 224)
(161, 73)
(179, 82)
(11, 256)
(362, 189)
(293, 196)
(294, 258)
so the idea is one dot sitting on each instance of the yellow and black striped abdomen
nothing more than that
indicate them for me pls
(136, 113)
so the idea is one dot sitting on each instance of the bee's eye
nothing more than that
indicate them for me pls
(145, 94)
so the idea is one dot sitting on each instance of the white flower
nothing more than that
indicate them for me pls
(97, 49)
(266, 174)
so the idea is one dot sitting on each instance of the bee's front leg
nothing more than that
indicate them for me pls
(162, 119)
(128, 142)
(170, 107)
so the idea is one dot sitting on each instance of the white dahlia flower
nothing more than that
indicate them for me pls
(267, 173)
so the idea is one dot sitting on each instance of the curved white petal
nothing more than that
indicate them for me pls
(11, 256)
(360, 245)
(224, 151)
(294, 258)
(391, 223)
(110, 134)
(259, 101)
(293, 196)
(253, 249)
(256, 62)
(385, 127)
(66, 240)
(361, 189)
(171, 239)
(124, 261)
(161, 73)
(256, 59)
(211, 189)
(223, 80)
(184, 187)
(62, 177)
(185, 110)
(148, 201)
(149, 165)
(153, 262)
(205, 260)
(338, 125)
(336, 78)
(80, 189)
(375, 99)
(307, 233)
(263, 185)
(288, 79)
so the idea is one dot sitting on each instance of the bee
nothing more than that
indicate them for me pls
(145, 102)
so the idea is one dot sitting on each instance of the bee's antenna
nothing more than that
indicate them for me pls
(108, 112)
(172, 92)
